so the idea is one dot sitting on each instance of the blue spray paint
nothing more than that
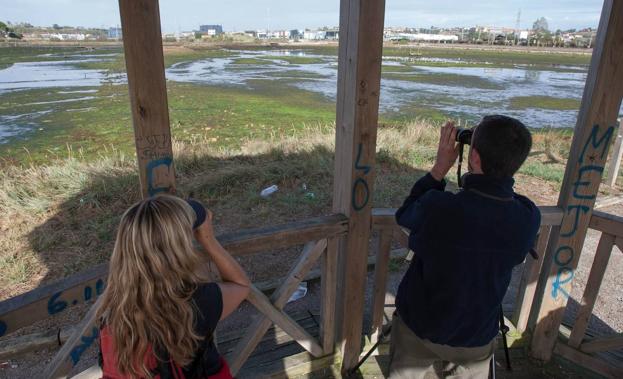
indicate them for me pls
(85, 342)
(360, 183)
(151, 166)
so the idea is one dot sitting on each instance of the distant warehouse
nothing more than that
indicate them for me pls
(211, 30)
(424, 37)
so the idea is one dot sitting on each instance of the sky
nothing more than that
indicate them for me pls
(187, 15)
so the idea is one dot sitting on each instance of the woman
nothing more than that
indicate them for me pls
(159, 312)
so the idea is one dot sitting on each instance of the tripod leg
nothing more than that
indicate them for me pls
(492, 367)
(504, 330)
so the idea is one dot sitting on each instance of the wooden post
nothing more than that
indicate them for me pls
(359, 84)
(142, 43)
(593, 133)
(381, 272)
(615, 160)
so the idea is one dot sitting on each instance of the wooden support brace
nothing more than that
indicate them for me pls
(285, 322)
(328, 292)
(380, 283)
(529, 278)
(257, 329)
(82, 338)
(593, 135)
(595, 345)
(587, 361)
(596, 276)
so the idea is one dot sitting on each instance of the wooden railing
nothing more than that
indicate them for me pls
(318, 234)
(320, 238)
(575, 346)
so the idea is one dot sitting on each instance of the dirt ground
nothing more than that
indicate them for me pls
(606, 317)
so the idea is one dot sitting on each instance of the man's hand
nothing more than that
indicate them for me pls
(447, 152)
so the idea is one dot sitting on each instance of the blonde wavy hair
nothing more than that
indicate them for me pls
(152, 276)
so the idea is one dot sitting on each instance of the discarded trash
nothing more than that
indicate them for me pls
(4, 365)
(300, 292)
(304, 186)
(269, 191)
(310, 195)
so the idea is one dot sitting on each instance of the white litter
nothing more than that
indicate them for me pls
(269, 191)
(300, 292)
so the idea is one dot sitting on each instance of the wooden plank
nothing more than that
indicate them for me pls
(69, 355)
(596, 276)
(328, 289)
(257, 329)
(380, 282)
(615, 160)
(50, 300)
(16, 346)
(619, 243)
(58, 297)
(401, 235)
(529, 278)
(593, 133)
(358, 92)
(607, 223)
(144, 61)
(385, 217)
(285, 322)
(280, 236)
(595, 345)
(587, 361)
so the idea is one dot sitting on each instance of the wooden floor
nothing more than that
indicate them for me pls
(278, 356)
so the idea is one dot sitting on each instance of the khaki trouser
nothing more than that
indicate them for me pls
(415, 358)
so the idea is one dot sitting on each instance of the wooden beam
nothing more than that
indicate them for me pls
(380, 282)
(595, 345)
(593, 133)
(81, 339)
(587, 361)
(257, 329)
(358, 92)
(595, 277)
(328, 289)
(58, 297)
(615, 160)
(285, 322)
(529, 278)
(144, 61)
(607, 223)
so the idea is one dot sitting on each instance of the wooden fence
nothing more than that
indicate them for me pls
(320, 238)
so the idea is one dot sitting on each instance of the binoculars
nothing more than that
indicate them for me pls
(464, 136)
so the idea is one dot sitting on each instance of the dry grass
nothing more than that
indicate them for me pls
(60, 218)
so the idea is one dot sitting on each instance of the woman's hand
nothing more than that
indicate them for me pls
(205, 231)
(447, 152)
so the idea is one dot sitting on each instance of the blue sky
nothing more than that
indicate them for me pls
(182, 15)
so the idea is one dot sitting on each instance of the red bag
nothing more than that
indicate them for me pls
(161, 370)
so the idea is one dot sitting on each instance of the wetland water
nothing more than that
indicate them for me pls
(539, 95)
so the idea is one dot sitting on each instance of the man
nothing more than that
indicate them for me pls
(466, 245)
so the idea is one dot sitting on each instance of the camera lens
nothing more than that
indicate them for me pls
(464, 136)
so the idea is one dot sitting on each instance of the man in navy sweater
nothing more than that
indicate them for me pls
(466, 245)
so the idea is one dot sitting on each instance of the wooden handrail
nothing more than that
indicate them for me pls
(385, 217)
(607, 223)
(55, 298)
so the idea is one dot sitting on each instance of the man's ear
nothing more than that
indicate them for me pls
(474, 161)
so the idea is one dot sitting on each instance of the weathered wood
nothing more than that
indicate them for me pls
(380, 282)
(529, 278)
(56, 298)
(596, 276)
(385, 217)
(16, 346)
(52, 299)
(401, 235)
(82, 338)
(144, 61)
(595, 345)
(276, 237)
(587, 361)
(328, 267)
(593, 133)
(257, 329)
(607, 223)
(615, 160)
(619, 243)
(285, 322)
(358, 92)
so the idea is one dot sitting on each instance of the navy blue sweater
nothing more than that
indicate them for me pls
(466, 245)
